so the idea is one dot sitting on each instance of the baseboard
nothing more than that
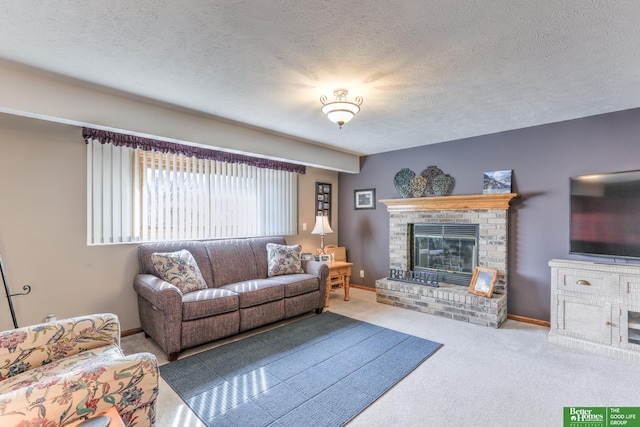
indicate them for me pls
(529, 320)
(130, 332)
(364, 288)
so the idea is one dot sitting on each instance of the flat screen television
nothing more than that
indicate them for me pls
(605, 215)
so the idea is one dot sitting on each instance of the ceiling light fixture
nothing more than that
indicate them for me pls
(340, 111)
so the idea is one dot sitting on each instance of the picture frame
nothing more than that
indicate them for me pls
(323, 200)
(324, 257)
(482, 281)
(497, 182)
(306, 256)
(364, 199)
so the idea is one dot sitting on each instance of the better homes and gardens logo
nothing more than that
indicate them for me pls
(583, 417)
(577, 416)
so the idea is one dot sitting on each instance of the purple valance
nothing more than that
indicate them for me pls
(147, 144)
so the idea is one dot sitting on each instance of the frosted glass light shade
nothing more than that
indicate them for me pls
(340, 111)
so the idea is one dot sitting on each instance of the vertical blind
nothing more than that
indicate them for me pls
(138, 195)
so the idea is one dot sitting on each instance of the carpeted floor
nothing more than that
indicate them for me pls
(321, 370)
(507, 377)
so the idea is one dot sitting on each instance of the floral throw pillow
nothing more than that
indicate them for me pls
(179, 269)
(284, 259)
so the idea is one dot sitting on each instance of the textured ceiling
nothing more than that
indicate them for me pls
(429, 71)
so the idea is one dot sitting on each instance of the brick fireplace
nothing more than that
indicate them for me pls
(490, 213)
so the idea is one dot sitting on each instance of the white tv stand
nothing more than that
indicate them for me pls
(596, 307)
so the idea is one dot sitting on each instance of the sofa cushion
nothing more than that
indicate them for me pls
(72, 366)
(208, 302)
(232, 261)
(255, 292)
(284, 259)
(297, 284)
(180, 269)
(32, 346)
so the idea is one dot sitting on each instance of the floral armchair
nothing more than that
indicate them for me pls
(57, 373)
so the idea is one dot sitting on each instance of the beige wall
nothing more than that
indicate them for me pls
(43, 228)
(307, 209)
(43, 96)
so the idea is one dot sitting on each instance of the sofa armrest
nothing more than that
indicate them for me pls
(130, 383)
(29, 347)
(160, 310)
(158, 292)
(315, 268)
(321, 271)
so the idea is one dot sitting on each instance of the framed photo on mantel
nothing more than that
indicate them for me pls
(497, 182)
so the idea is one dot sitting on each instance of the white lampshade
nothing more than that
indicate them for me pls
(322, 226)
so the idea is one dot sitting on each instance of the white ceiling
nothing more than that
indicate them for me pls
(429, 71)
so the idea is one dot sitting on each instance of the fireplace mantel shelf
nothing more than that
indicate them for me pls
(465, 202)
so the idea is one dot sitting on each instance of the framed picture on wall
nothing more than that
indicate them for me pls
(323, 200)
(482, 281)
(364, 199)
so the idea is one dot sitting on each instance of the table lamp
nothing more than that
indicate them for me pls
(322, 227)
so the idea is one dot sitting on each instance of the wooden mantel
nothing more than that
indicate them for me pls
(451, 203)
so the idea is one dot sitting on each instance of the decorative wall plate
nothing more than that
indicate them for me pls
(418, 185)
(443, 185)
(402, 182)
(430, 173)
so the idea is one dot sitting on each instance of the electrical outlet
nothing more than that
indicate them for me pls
(362, 273)
(304, 226)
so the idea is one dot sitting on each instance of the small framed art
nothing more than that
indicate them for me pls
(306, 256)
(497, 182)
(324, 257)
(482, 281)
(364, 199)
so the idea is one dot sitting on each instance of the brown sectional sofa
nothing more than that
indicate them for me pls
(240, 295)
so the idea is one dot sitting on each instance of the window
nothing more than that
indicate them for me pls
(137, 195)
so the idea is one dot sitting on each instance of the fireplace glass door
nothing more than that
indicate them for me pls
(452, 254)
(449, 250)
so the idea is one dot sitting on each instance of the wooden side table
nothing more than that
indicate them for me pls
(340, 275)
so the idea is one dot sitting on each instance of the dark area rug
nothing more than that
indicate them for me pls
(318, 371)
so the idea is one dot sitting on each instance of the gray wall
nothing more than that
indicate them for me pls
(542, 159)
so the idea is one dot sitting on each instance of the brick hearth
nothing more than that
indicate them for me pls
(490, 213)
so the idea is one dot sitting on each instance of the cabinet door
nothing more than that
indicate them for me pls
(630, 312)
(630, 290)
(584, 318)
(630, 328)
